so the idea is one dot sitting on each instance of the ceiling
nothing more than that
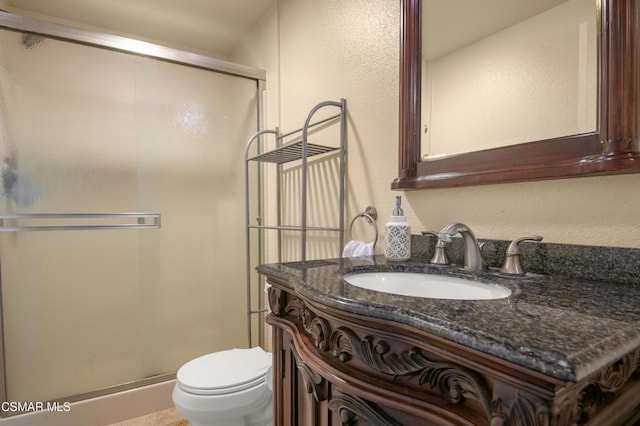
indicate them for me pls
(212, 27)
(215, 27)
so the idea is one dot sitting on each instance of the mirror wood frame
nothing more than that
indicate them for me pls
(614, 148)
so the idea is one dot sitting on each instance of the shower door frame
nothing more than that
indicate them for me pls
(135, 47)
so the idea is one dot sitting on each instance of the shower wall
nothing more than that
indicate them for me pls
(89, 130)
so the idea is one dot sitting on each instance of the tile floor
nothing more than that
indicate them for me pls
(168, 417)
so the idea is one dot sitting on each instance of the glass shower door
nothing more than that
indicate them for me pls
(89, 130)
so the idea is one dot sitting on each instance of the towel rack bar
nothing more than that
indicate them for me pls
(317, 123)
(293, 228)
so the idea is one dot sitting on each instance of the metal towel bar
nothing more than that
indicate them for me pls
(141, 222)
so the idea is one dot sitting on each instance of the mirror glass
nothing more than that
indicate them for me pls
(503, 72)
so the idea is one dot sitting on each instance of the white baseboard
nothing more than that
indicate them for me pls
(103, 410)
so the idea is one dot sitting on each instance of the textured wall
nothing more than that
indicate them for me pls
(532, 81)
(320, 49)
(331, 49)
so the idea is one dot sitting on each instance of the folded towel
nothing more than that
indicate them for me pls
(357, 249)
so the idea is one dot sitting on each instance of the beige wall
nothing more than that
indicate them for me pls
(532, 81)
(314, 50)
(332, 50)
(329, 49)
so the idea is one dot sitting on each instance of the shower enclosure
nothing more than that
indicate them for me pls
(121, 234)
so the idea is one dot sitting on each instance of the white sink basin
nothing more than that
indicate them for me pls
(426, 285)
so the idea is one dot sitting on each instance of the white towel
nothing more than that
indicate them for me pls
(356, 248)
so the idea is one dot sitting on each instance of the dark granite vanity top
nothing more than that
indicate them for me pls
(564, 327)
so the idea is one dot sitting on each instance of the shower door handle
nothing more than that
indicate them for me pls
(81, 221)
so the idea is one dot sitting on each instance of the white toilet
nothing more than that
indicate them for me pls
(227, 388)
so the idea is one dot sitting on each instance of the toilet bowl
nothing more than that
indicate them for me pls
(227, 388)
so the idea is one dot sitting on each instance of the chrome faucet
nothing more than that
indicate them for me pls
(472, 255)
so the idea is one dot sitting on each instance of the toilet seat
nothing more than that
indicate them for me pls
(224, 372)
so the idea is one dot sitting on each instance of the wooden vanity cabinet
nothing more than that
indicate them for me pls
(333, 367)
(304, 397)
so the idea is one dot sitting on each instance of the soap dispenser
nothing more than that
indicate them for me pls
(397, 237)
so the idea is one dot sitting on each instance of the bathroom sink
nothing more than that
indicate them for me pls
(426, 285)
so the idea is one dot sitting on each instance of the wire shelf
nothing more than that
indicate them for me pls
(291, 152)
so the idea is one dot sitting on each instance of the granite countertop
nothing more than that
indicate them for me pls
(566, 328)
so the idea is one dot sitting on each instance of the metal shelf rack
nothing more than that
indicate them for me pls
(301, 151)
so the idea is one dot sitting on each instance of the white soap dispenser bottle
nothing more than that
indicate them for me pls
(397, 236)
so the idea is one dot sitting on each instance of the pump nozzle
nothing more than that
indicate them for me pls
(398, 210)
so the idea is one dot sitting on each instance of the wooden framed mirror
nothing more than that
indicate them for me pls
(613, 148)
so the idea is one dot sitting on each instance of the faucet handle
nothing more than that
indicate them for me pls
(512, 264)
(440, 254)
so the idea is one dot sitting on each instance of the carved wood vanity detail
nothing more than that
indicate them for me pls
(335, 367)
